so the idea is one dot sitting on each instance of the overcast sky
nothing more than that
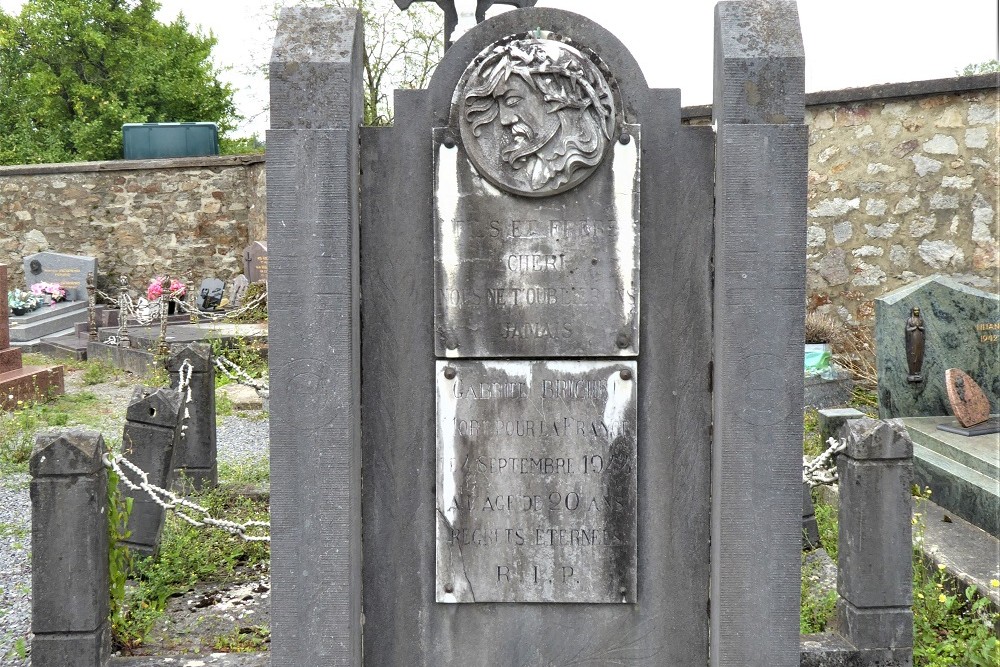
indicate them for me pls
(848, 43)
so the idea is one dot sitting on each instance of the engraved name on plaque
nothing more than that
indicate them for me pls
(536, 481)
(536, 204)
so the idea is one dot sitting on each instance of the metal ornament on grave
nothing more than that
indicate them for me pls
(536, 206)
(452, 15)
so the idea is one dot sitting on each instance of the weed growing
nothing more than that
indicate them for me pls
(950, 626)
(99, 372)
(247, 353)
(243, 640)
(188, 555)
(246, 472)
(818, 606)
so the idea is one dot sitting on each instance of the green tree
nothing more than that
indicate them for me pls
(988, 67)
(401, 50)
(73, 71)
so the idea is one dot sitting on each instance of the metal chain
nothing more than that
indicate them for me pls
(238, 375)
(184, 386)
(171, 501)
(144, 317)
(822, 469)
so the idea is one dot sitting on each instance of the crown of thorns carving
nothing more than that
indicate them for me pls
(559, 73)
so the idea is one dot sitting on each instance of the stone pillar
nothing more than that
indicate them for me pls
(760, 251)
(313, 172)
(195, 455)
(875, 547)
(149, 440)
(69, 550)
(832, 420)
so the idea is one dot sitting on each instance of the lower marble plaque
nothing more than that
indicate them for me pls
(536, 481)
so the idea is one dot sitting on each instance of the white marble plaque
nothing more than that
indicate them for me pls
(536, 481)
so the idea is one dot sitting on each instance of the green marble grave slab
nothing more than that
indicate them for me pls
(962, 326)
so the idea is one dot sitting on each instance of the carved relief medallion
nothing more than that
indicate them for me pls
(536, 114)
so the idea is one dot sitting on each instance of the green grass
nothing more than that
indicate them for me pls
(951, 625)
(245, 472)
(243, 640)
(18, 428)
(811, 445)
(188, 555)
(99, 372)
(818, 606)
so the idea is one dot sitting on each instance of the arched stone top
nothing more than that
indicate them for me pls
(628, 75)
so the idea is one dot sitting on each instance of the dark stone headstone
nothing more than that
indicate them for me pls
(149, 439)
(875, 547)
(961, 330)
(210, 294)
(70, 271)
(195, 457)
(255, 261)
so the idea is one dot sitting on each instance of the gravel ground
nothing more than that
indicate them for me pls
(238, 438)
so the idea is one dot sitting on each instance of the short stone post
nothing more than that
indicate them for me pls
(149, 440)
(832, 420)
(69, 550)
(875, 552)
(810, 529)
(195, 455)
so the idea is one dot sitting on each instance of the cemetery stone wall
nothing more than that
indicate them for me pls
(188, 217)
(902, 185)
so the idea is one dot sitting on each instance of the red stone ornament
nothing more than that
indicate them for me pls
(968, 402)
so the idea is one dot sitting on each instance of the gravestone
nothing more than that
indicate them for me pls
(255, 261)
(21, 384)
(961, 329)
(956, 327)
(543, 482)
(238, 290)
(210, 294)
(70, 271)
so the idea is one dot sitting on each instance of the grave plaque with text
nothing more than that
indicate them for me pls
(536, 481)
(536, 206)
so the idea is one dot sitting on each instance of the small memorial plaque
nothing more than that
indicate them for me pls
(536, 481)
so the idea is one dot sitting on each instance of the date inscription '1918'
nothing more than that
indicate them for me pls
(536, 481)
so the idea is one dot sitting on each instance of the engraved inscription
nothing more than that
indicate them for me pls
(536, 481)
(988, 332)
(536, 114)
(537, 277)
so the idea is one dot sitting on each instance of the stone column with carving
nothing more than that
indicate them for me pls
(313, 176)
(761, 164)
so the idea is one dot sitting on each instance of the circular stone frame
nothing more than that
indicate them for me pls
(537, 113)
